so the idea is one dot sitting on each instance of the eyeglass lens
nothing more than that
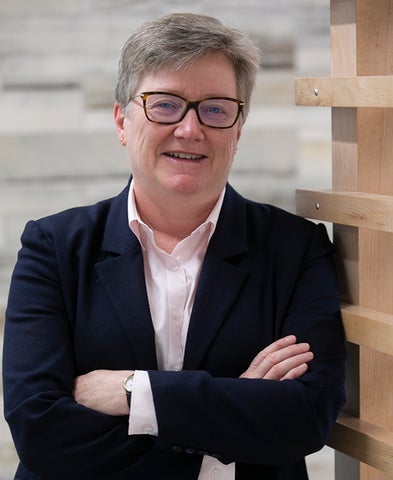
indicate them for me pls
(214, 112)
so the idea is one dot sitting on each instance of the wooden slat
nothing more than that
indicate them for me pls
(375, 150)
(345, 149)
(356, 209)
(367, 91)
(365, 442)
(368, 328)
(343, 40)
(374, 21)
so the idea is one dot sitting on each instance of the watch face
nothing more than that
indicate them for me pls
(128, 383)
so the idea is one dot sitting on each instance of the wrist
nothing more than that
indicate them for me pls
(127, 386)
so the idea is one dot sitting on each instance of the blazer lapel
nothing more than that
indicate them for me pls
(220, 281)
(124, 283)
(122, 276)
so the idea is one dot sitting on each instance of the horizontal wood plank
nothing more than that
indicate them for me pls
(356, 209)
(368, 328)
(363, 441)
(361, 91)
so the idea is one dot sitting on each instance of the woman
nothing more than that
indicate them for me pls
(177, 331)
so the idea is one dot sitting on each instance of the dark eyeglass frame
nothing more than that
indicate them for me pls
(189, 105)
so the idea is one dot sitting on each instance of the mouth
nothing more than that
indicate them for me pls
(185, 156)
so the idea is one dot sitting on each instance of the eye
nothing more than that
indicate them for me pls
(164, 105)
(216, 109)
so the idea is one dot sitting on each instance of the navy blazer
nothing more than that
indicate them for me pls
(78, 302)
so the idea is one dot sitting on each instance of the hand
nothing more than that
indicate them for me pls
(282, 360)
(102, 390)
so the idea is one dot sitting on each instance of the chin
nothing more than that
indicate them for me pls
(185, 185)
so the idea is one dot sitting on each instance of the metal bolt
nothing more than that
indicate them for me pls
(317, 205)
(316, 92)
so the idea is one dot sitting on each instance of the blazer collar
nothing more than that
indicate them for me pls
(117, 235)
(228, 240)
(230, 236)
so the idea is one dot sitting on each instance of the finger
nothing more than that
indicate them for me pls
(278, 345)
(273, 347)
(296, 372)
(277, 363)
(286, 355)
(279, 370)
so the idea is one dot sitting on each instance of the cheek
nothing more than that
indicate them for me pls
(229, 148)
(139, 140)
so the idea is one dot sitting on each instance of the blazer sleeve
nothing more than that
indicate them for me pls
(54, 436)
(264, 421)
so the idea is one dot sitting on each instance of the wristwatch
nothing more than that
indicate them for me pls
(127, 385)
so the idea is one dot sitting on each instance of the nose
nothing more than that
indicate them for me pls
(189, 128)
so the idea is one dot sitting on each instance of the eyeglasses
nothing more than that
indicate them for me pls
(166, 108)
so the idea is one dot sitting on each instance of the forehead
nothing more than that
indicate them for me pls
(210, 75)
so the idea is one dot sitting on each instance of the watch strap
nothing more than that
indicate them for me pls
(127, 385)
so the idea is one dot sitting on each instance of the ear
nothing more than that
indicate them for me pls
(119, 117)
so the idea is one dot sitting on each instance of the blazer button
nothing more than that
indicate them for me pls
(203, 452)
(177, 449)
(215, 473)
(191, 451)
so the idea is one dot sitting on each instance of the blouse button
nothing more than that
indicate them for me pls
(215, 473)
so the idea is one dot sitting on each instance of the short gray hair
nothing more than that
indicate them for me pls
(175, 41)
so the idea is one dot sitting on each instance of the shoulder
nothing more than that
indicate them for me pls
(265, 215)
(275, 227)
(80, 224)
(84, 215)
(281, 222)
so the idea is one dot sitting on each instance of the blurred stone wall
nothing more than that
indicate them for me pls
(58, 145)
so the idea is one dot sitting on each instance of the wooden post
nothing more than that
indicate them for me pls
(360, 205)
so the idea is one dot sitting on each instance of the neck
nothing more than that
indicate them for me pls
(172, 220)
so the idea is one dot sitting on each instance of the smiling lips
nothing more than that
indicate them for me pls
(185, 156)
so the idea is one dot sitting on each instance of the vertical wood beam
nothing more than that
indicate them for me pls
(345, 177)
(374, 37)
